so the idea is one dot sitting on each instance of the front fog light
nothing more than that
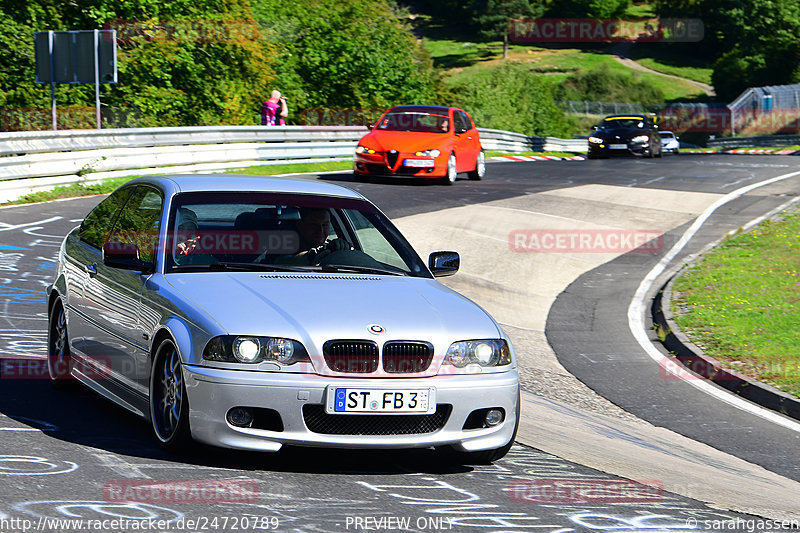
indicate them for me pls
(493, 417)
(246, 349)
(240, 416)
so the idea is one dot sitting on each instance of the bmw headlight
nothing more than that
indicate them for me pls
(486, 353)
(246, 349)
(428, 153)
(364, 150)
(640, 139)
(595, 140)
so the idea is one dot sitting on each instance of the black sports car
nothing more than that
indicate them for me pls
(624, 135)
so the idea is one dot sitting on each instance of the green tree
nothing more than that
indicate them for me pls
(603, 9)
(493, 18)
(755, 42)
(346, 54)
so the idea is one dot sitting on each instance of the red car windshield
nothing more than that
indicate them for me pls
(414, 121)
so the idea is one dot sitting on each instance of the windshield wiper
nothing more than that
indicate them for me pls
(362, 269)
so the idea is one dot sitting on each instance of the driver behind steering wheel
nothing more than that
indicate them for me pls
(313, 230)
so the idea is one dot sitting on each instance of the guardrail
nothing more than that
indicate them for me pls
(746, 142)
(517, 142)
(42, 160)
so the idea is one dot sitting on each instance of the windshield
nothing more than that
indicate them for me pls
(627, 122)
(285, 232)
(414, 121)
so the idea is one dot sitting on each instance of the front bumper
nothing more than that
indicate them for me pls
(213, 392)
(378, 165)
(606, 150)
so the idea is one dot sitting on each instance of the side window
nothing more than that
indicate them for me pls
(97, 224)
(139, 220)
(461, 123)
(470, 124)
(465, 118)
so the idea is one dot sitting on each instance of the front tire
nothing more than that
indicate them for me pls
(451, 176)
(59, 360)
(169, 406)
(480, 167)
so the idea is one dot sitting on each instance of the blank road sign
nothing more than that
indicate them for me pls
(73, 56)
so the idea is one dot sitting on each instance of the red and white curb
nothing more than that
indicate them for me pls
(537, 158)
(748, 151)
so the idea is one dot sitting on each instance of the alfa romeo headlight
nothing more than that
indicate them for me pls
(595, 140)
(245, 349)
(364, 150)
(490, 352)
(640, 139)
(428, 153)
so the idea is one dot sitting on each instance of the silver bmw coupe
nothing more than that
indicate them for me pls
(248, 312)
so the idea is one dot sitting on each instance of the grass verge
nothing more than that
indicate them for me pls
(272, 170)
(109, 185)
(741, 303)
(72, 191)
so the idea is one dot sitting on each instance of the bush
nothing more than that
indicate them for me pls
(511, 97)
(601, 84)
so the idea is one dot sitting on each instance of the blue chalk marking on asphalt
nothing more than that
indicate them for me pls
(9, 247)
(9, 294)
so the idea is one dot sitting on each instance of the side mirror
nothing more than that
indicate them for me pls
(125, 256)
(595, 127)
(444, 263)
(460, 130)
(370, 125)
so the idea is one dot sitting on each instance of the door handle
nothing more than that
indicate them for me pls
(91, 270)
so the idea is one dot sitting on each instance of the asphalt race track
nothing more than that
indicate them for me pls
(69, 454)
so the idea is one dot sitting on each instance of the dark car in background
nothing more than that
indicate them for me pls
(632, 134)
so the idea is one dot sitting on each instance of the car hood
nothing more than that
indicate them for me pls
(314, 308)
(404, 141)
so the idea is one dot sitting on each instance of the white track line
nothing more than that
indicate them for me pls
(637, 307)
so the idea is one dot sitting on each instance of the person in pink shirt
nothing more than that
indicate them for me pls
(270, 114)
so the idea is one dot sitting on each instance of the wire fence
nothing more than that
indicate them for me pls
(776, 107)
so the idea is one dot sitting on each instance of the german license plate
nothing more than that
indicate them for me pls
(618, 146)
(421, 163)
(346, 400)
